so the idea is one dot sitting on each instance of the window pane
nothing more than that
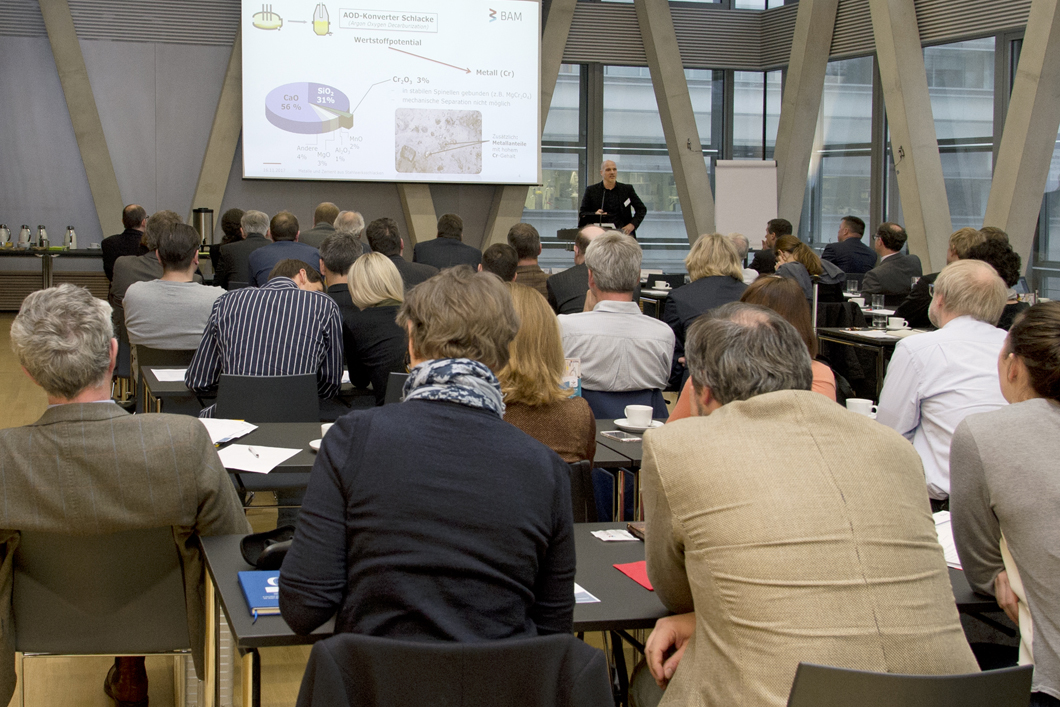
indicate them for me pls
(1047, 256)
(563, 124)
(748, 114)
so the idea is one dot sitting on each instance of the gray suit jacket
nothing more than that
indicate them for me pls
(235, 260)
(93, 469)
(316, 235)
(893, 277)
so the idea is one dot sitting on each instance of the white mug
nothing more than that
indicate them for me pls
(638, 415)
(862, 406)
(896, 323)
(662, 285)
(859, 301)
(324, 428)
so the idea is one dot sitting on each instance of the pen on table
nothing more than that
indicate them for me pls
(251, 450)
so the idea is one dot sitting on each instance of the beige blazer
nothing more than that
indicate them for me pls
(91, 468)
(817, 546)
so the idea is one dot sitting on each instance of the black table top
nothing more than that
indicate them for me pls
(293, 435)
(633, 450)
(858, 336)
(27, 252)
(163, 389)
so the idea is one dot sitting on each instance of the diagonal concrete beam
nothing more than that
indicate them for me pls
(224, 136)
(801, 106)
(678, 119)
(84, 115)
(1031, 127)
(420, 219)
(914, 143)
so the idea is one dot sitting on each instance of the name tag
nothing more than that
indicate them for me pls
(628, 201)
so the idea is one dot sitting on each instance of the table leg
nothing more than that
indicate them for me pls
(211, 653)
(46, 271)
(881, 368)
(251, 679)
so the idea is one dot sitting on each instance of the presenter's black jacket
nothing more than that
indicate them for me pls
(613, 201)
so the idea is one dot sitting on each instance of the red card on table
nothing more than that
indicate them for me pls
(638, 572)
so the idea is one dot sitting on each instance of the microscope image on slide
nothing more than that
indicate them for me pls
(438, 141)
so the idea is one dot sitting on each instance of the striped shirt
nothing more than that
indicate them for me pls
(275, 330)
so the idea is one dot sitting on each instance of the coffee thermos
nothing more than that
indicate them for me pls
(24, 237)
(5, 236)
(42, 237)
(70, 240)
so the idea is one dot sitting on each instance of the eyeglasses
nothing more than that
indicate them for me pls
(931, 289)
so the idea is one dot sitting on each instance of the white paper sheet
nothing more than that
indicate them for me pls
(945, 533)
(345, 376)
(258, 459)
(170, 375)
(876, 334)
(226, 430)
(616, 535)
(583, 597)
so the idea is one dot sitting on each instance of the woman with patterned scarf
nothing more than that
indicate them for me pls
(435, 519)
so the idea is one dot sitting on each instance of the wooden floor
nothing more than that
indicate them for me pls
(78, 682)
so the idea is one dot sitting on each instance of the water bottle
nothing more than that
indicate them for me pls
(42, 237)
(24, 237)
(5, 236)
(70, 240)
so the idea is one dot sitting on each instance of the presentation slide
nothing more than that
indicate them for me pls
(394, 90)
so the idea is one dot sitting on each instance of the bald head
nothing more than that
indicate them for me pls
(609, 173)
(968, 288)
(582, 240)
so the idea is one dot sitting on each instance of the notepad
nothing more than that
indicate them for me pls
(583, 597)
(261, 589)
(638, 572)
(222, 431)
(170, 375)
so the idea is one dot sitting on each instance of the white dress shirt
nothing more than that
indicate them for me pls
(933, 382)
(620, 348)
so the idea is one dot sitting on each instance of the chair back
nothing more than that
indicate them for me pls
(268, 398)
(369, 671)
(179, 358)
(823, 686)
(608, 405)
(583, 501)
(395, 383)
(237, 285)
(99, 594)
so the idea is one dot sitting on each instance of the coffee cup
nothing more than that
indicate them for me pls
(324, 428)
(896, 323)
(661, 285)
(859, 301)
(862, 406)
(638, 415)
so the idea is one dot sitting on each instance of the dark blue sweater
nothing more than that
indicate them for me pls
(432, 520)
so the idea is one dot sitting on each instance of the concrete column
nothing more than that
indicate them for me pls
(913, 141)
(801, 106)
(505, 212)
(88, 129)
(678, 120)
(224, 136)
(1031, 126)
(420, 218)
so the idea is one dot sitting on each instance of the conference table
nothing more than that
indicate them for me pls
(879, 341)
(632, 451)
(624, 605)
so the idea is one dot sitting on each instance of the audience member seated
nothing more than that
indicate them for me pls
(815, 546)
(283, 230)
(288, 327)
(937, 379)
(797, 261)
(128, 242)
(1006, 493)
(717, 278)
(566, 290)
(1008, 264)
(375, 345)
(501, 260)
(849, 253)
(534, 396)
(324, 217)
(88, 467)
(351, 223)
(232, 230)
(447, 250)
(527, 243)
(171, 312)
(765, 260)
(741, 244)
(893, 277)
(434, 519)
(914, 308)
(620, 348)
(782, 295)
(307, 279)
(337, 253)
(234, 265)
(383, 237)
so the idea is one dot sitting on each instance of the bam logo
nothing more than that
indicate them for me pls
(493, 15)
(506, 16)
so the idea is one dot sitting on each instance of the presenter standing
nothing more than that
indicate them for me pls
(611, 202)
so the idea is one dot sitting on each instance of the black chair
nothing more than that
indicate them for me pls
(607, 405)
(823, 686)
(237, 285)
(268, 398)
(117, 594)
(395, 384)
(368, 671)
(583, 502)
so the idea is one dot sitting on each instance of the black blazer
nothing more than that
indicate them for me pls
(445, 253)
(893, 277)
(614, 203)
(765, 261)
(413, 274)
(852, 256)
(687, 302)
(125, 243)
(914, 308)
(375, 346)
(235, 260)
(566, 290)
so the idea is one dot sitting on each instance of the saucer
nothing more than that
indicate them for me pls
(898, 328)
(315, 445)
(625, 425)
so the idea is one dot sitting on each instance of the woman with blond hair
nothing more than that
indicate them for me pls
(375, 345)
(717, 278)
(535, 400)
(797, 261)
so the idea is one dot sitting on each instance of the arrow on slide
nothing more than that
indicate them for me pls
(458, 68)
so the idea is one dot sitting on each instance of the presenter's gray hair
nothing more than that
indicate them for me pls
(350, 222)
(255, 222)
(614, 259)
(742, 350)
(62, 336)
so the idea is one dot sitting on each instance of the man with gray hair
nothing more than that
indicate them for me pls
(566, 290)
(937, 379)
(620, 348)
(742, 245)
(235, 257)
(351, 223)
(88, 467)
(805, 549)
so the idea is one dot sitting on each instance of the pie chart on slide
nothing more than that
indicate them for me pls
(308, 108)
